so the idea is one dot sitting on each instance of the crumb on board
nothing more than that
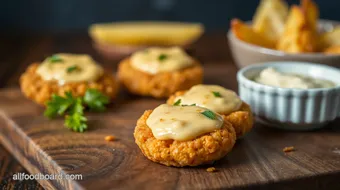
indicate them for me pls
(109, 138)
(211, 169)
(288, 149)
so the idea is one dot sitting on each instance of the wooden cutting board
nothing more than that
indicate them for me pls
(45, 146)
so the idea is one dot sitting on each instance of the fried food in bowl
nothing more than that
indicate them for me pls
(277, 33)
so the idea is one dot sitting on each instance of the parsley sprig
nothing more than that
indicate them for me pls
(73, 108)
(96, 100)
(217, 94)
(162, 57)
(209, 114)
(178, 102)
(72, 68)
(55, 59)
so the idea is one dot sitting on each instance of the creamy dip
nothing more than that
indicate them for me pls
(65, 68)
(272, 77)
(213, 97)
(155, 60)
(182, 123)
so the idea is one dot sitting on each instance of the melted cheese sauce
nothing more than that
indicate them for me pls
(272, 77)
(65, 68)
(213, 97)
(155, 60)
(181, 123)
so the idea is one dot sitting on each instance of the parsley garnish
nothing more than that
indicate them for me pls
(209, 114)
(188, 105)
(95, 100)
(55, 59)
(76, 120)
(178, 102)
(162, 57)
(72, 68)
(73, 107)
(217, 94)
(58, 105)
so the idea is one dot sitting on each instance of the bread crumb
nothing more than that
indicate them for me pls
(211, 169)
(288, 149)
(109, 138)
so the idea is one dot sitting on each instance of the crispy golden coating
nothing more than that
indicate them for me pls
(242, 120)
(160, 85)
(332, 50)
(202, 150)
(40, 91)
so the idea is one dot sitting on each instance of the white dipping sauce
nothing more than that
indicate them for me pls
(272, 77)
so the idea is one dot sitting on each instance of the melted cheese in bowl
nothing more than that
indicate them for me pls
(213, 97)
(182, 123)
(156, 60)
(66, 68)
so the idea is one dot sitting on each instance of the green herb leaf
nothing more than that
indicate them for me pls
(72, 68)
(55, 59)
(188, 105)
(162, 57)
(76, 120)
(217, 94)
(178, 102)
(58, 105)
(74, 108)
(209, 114)
(95, 100)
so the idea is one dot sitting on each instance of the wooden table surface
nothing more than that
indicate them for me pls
(19, 51)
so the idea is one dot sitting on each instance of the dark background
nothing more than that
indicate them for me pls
(64, 15)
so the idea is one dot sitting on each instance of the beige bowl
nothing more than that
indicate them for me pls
(245, 54)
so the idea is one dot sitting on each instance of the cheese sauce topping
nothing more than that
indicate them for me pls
(155, 60)
(182, 123)
(65, 68)
(213, 97)
(272, 77)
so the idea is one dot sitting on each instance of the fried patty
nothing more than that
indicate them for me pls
(201, 150)
(160, 85)
(242, 119)
(40, 91)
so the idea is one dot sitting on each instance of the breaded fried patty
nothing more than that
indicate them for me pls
(160, 85)
(202, 150)
(242, 120)
(40, 91)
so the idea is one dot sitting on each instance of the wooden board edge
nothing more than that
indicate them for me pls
(27, 154)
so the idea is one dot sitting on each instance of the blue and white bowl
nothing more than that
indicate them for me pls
(288, 108)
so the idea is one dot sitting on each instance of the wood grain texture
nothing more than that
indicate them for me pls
(257, 160)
